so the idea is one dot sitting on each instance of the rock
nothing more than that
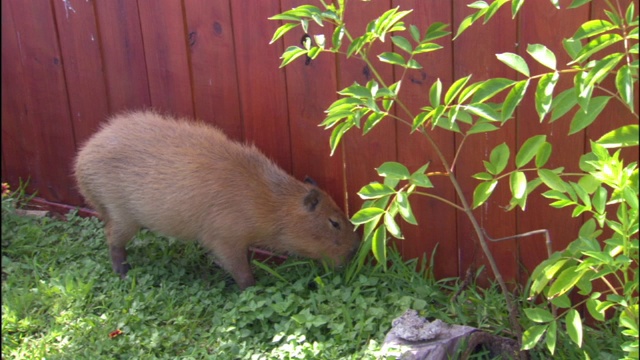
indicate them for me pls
(418, 339)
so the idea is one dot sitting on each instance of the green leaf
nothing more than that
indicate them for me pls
(420, 179)
(551, 336)
(551, 179)
(379, 245)
(404, 208)
(600, 200)
(464, 25)
(602, 68)
(336, 135)
(542, 156)
(482, 126)
(372, 121)
(542, 55)
(415, 33)
(572, 47)
(499, 158)
(624, 85)
(592, 28)
(402, 43)
(583, 118)
(375, 190)
(366, 215)
(574, 326)
(493, 8)
(532, 335)
(539, 315)
(583, 91)
(577, 3)
(455, 89)
(413, 64)
(426, 47)
(357, 44)
(515, 7)
(435, 93)
(435, 31)
(483, 110)
(338, 34)
(356, 90)
(515, 96)
(392, 226)
(529, 149)
(282, 30)
(562, 103)
(515, 62)
(621, 137)
(544, 93)
(292, 53)
(595, 45)
(591, 307)
(392, 58)
(565, 281)
(544, 272)
(482, 192)
(393, 170)
(483, 176)
(490, 88)
(518, 184)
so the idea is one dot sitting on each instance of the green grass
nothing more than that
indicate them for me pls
(61, 300)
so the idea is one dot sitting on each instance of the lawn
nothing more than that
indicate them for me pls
(61, 300)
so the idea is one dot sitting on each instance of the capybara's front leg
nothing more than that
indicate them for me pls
(118, 234)
(119, 260)
(234, 259)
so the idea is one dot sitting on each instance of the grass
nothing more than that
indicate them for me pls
(61, 300)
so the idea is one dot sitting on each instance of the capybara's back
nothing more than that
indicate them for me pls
(186, 179)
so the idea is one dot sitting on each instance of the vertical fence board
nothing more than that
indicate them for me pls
(123, 55)
(310, 90)
(365, 153)
(436, 220)
(39, 142)
(80, 48)
(470, 50)
(262, 86)
(165, 48)
(541, 23)
(213, 65)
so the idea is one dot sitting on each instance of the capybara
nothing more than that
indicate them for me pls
(186, 179)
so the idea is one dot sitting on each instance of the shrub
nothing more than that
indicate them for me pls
(606, 189)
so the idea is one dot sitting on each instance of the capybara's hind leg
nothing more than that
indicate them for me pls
(118, 235)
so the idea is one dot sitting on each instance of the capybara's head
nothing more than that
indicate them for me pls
(318, 229)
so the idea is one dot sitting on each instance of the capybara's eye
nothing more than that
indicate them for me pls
(335, 224)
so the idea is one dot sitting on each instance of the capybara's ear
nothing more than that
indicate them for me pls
(312, 199)
(309, 180)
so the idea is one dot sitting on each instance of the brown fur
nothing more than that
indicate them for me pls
(186, 179)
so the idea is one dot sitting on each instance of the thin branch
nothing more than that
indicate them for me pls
(545, 232)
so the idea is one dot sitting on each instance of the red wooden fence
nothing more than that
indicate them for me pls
(68, 64)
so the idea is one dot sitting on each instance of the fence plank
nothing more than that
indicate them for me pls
(165, 48)
(213, 65)
(436, 220)
(311, 88)
(123, 55)
(365, 153)
(80, 48)
(470, 57)
(541, 23)
(261, 85)
(38, 142)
